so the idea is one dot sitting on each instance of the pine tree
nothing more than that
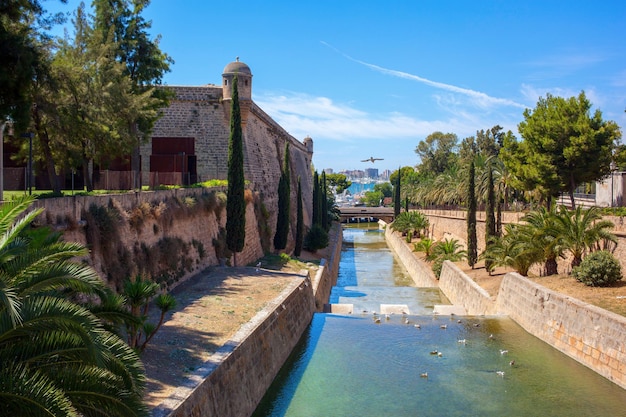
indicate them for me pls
(299, 222)
(490, 221)
(396, 198)
(284, 197)
(236, 204)
(472, 252)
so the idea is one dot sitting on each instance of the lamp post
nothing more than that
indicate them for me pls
(30, 136)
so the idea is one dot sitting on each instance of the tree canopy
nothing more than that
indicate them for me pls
(563, 146)
(437, 152)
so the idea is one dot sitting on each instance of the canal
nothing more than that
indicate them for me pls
(422, 364)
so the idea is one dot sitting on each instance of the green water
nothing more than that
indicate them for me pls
(351, 366)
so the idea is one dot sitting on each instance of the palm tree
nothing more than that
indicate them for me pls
(516, 248)
(57, 357)
(411, 223)
(584, 231)
(546, 236)
(446, 250)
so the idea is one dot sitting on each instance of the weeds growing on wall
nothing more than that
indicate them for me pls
(165, 262)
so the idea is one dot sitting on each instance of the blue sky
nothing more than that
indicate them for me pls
(372, 78)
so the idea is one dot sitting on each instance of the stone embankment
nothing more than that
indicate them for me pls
(591, 335)
(258, 350)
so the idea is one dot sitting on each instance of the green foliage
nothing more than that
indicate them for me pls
(563, 146)
(425, 245)
(57, 353)
(299, 222)
(446, 250)
(410, 223)
(598, 269)
(316, 238)
(138, 294)
(516, 248)
(317, 200)
(284, 203)
(582, 231)
(236, 205)
(373, 198)
(407, 174)
(472, 244)
(396, 194)
(338, 181)
(490, 220)
(437, 152)
(324, 196)
(385, 188)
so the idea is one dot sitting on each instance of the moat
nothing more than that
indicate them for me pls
(424, 364)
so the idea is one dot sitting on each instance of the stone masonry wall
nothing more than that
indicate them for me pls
(592, 336)
(200, 113)
(326, 276)
(421, 273)
(462, 290)
(61, 212)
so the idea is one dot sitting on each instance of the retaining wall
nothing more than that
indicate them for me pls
(421, 273)
(593, 336)
(463, 291)
(235, 379)
(237, 376)
(326, 276)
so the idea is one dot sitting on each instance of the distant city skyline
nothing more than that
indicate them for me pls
(374, 79)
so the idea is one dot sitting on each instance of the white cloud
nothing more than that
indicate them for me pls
(321, 117)
(479, 99)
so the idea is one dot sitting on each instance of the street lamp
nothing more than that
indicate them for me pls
(30, 136)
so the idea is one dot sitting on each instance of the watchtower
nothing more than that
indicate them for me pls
(244, 87)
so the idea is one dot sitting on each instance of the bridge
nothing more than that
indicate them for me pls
(366, 214)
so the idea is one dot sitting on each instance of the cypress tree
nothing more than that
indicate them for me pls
(324, 203)
(472, 252)
(316, 200)
(490, 221)
(284, 196)
(235, 204)
(299, 222)
(396, 200)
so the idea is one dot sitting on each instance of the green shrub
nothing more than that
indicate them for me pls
(317, 238)
(598, 269)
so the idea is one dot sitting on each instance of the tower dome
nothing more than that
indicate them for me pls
(244, 80)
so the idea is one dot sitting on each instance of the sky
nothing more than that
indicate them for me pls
(372, 78)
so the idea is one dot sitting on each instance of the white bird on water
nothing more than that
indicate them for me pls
(258, 265)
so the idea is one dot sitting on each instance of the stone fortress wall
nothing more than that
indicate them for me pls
(203, 113)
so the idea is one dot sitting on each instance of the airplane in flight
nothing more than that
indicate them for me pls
(372, 159)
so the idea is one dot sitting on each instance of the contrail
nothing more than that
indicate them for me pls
(471, 93)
